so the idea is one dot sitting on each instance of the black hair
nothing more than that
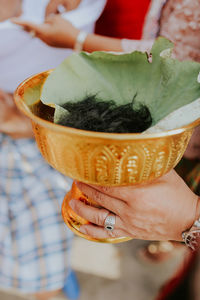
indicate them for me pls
(105, 116)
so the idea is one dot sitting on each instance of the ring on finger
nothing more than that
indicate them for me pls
(109, 223)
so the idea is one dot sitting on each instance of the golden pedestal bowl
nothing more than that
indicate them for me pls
(98, 158)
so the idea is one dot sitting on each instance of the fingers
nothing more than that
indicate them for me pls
(70, 5)
(52, 8)
(95, 193)
(28, 26)
(92, 214)
(59, 6)
(121, 193)
(101, 233)
(97, 216)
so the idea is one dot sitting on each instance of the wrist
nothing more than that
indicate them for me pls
(74, 35)
(188, 216)
(196, 213)
(191, 237)
(66, 39)
(80, 40)
(192, 233)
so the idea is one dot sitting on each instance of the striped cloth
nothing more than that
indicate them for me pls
(34, 241)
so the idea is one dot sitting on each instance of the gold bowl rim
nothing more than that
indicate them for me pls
(85, 133)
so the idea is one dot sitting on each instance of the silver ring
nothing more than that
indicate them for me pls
(109, 223)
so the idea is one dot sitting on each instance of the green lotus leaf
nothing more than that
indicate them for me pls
(164, 85)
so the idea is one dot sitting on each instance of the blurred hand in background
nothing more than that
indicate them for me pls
(59, 6)
(12, 122)
(55, 31)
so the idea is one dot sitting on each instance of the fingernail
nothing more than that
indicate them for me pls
(82, 230)
(72, 203)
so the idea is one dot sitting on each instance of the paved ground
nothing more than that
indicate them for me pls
(114, 272)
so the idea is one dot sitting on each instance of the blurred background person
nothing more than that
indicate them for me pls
(172, 19)
(34, 242)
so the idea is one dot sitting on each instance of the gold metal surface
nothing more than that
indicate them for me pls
(74, 221)
(99, 158)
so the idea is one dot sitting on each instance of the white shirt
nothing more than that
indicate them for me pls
(22, 56)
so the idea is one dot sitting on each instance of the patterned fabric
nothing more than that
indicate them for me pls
(176, 20)
(179, 22)
(34, 241)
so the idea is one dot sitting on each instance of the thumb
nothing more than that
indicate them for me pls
(51, 8)
(28, 26)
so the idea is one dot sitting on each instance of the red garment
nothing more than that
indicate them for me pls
(123, 18)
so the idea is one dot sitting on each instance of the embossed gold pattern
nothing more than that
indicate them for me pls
(99, 158)
(110, 162)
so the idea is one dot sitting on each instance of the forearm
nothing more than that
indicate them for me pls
(95, 42)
